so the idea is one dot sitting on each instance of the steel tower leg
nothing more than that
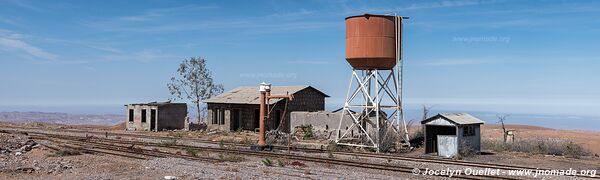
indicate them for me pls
(373, 99)
(384, 104)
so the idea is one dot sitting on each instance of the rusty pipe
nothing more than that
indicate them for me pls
(261, 134)
(290, 97)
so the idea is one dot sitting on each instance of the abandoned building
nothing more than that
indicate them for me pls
(156, 116)
(447, 133)
(238, 109)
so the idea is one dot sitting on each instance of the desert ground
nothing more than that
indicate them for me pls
(41, 162)
(588, 139)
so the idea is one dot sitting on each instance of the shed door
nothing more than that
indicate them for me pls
(447, 146)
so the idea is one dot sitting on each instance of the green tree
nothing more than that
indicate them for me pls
(194, 83)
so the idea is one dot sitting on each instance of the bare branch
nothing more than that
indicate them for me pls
(194, 83)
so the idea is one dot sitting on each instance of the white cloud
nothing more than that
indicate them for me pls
(6, 20)
(347, 9)
(312, 62)
(443, 4)
(26, 5)
(146, 55)
(458, 62)
(170, 22)
(153, 14)
(13, 42)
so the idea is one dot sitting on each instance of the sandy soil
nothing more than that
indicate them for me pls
(97, 166)
(589, 139)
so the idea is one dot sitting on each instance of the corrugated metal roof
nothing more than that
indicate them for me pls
(458, 118)
(250, 95)
(154, 103)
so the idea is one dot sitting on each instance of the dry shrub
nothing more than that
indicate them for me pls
(545, 146)
(247, 141)
(168, 143)
(280, 163)
(231, 157)
(179, 134)
(191, 151)
(332, 146)
(299, 164)
(308, 131)
(389, 138)
(417, 138)
(65, 152)
(466, 150)
(267, 162)
(232, 169)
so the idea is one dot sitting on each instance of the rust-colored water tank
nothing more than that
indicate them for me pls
(371, 41)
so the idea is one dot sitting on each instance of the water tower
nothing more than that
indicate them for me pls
(374, 98)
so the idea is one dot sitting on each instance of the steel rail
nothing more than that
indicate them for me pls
(372, 155)
(387, 167)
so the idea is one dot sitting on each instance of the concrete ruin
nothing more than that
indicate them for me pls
(156, 116)
(447, 134)
(320, 120)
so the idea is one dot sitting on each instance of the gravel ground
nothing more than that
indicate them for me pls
(39, 164)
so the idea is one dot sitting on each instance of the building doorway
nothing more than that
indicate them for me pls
(153, 120)
(431, 133)
(256, 119)
(235, 120)
(276, 119)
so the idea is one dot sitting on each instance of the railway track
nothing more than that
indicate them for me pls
(370, 155)
(89, 150)
(112, 149)
(124, 144)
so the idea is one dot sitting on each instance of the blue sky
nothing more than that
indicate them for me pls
(505, 56)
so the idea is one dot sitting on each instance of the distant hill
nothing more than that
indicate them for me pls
(61, 118)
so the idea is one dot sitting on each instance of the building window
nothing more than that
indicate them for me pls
(468, 131)
(130, 115)
(143, 115)
(221, 116)
(214, 116)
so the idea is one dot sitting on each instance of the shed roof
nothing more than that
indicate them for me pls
(250, 94)
(456, 118)
(155, 103)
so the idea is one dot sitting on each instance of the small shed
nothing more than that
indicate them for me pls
(155, 116)
(447, 133)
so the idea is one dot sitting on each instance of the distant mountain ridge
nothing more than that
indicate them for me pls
(62, 118)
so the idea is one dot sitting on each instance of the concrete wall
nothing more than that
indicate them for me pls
(168, 117)
(320, 120)
(137, 124)
(171, 116)
(324, 122)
